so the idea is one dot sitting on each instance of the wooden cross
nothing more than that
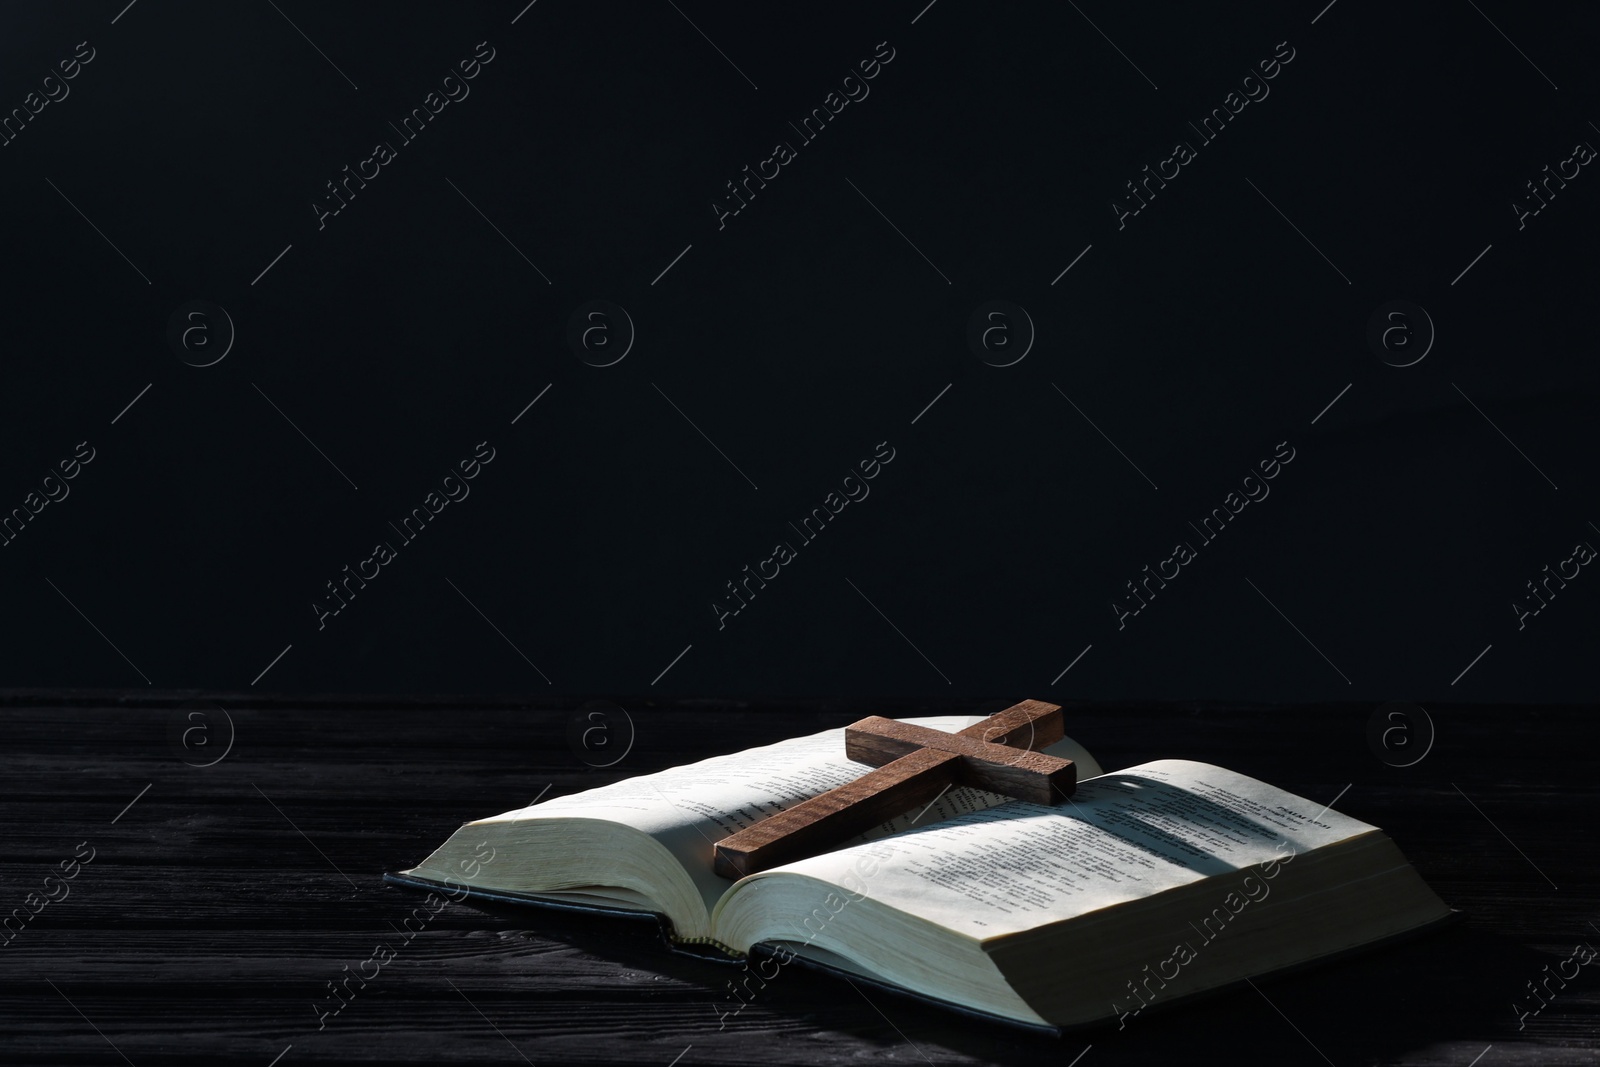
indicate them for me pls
(915, 765)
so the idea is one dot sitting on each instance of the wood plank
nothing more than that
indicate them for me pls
(207, 927)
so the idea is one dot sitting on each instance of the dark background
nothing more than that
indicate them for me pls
(797, 338)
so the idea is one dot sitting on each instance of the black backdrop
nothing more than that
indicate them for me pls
(774, 349)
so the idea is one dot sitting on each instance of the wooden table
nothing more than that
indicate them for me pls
(221, 902)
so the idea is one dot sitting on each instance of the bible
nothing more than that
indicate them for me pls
(1143, 887)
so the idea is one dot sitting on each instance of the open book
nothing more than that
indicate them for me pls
(1152, 883)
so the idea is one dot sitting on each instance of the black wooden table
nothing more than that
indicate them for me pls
(174, 913)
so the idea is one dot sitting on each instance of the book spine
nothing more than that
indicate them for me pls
(713, 942)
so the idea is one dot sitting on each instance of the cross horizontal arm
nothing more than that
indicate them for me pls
(1014, 772)
(1030, 724)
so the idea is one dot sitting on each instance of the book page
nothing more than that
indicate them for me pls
(689, 808)
(1124, 835)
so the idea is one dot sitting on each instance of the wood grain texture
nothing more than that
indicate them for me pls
(999, 768)
(814, 826)
(1027, 724)
(210, 921)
